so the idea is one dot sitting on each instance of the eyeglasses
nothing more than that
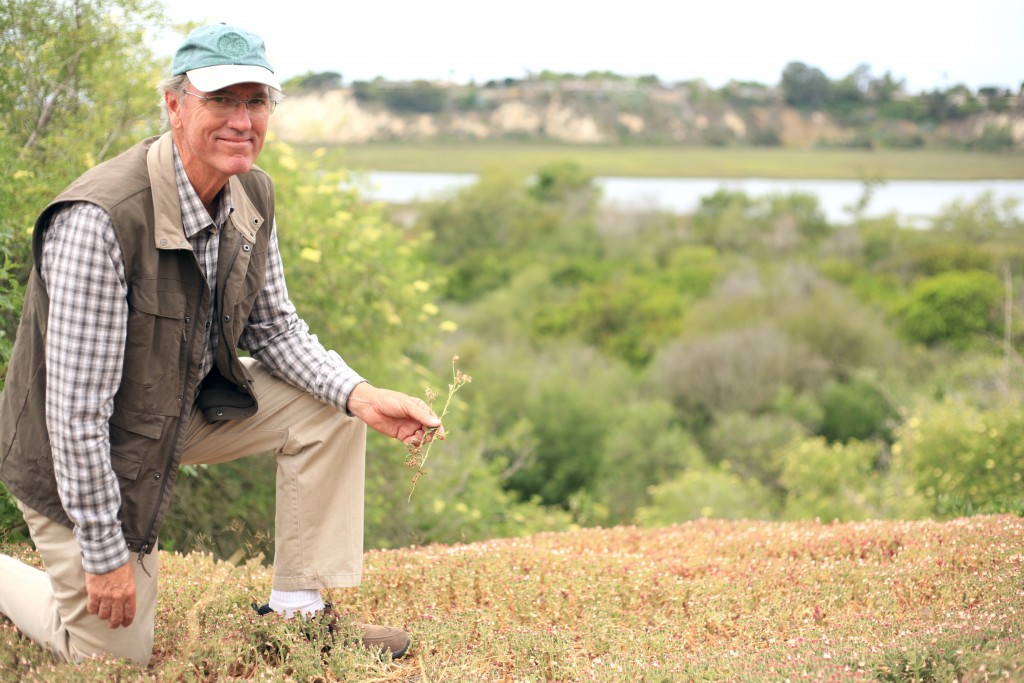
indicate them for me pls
(222, 105)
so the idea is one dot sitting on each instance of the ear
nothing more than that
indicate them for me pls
(173, 102)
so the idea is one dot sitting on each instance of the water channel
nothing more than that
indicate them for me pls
(913, 200)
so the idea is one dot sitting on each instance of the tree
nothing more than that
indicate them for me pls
(420, 97)
(847, 95)
(805, 87)
(325, 80)
(885, 88)
(77, 88)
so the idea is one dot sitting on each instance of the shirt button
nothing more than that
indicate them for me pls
(156, 476)
(163, 243)
(188, 319)
(227, 318)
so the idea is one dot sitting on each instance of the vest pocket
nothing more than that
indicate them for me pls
(125, 466)
(156, 331)
(134, 442)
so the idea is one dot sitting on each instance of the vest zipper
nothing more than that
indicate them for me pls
(182, 425)
(142, 551)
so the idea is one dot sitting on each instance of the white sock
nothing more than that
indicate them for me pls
(289, 603)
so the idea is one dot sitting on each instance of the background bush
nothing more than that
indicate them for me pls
(961, 458)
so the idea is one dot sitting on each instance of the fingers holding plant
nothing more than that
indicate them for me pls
(419, 446)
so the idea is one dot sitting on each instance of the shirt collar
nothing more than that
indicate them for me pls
(194, 216)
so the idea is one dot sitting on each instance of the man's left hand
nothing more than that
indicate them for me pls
(402, 417)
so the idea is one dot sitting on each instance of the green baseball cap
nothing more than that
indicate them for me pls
(218, 55)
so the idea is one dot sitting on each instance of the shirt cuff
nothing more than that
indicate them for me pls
(102, 557)
(344, 392)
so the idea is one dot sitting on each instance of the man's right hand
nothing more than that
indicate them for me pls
(112, 595)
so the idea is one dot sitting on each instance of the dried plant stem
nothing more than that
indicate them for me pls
(419, 452)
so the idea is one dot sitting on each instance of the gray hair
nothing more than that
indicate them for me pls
(178, 85)
(175, 84)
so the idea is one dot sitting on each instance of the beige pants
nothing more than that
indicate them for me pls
(318, 537)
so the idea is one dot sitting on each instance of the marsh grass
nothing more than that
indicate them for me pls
(682, 162)
(702, 601)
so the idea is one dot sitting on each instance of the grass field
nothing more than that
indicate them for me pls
(685, 162)
(702, 601)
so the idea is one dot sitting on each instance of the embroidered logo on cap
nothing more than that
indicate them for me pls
(232, 45)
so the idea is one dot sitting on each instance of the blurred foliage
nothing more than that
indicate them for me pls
(763, 355)
(841, 481)
(961, 457)
(705, 492)
(954, 308)
(856, 410)
(752, 359)
(76, 83)
(732, 220)
(418, 97)
(492, 229)
(361, 283)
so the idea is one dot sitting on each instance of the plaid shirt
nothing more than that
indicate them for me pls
(84, 272)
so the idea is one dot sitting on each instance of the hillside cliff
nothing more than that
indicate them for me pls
(608, 113)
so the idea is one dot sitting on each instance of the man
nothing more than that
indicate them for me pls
(150, 271)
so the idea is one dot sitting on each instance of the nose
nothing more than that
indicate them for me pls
(240, 116)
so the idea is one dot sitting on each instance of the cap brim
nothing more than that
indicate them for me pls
(210, 78)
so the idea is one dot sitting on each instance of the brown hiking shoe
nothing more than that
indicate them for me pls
(386, 639)
(379, 638)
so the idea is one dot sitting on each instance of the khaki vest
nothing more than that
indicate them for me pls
(168, 301)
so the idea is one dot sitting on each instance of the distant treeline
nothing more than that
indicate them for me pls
(879, 110)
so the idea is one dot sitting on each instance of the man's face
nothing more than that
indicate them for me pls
(216, 145)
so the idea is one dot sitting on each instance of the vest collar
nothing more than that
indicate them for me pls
(168, 232)
(246, 219)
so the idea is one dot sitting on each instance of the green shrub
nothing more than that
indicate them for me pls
(995, 138)
(459, 499)
(934, 259)
(362, 283)
(957, 453)
(856, 410)
(839, 482)
(570, 422)
(627, 317)
(982, 218)
(954, 307)
(698, 493)
(831, 320)
(772, 224)
(549, 412)
(740, 370)
(647, 447)
(693, 269)
(748, 444)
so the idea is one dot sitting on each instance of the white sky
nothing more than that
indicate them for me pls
(929, 43)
